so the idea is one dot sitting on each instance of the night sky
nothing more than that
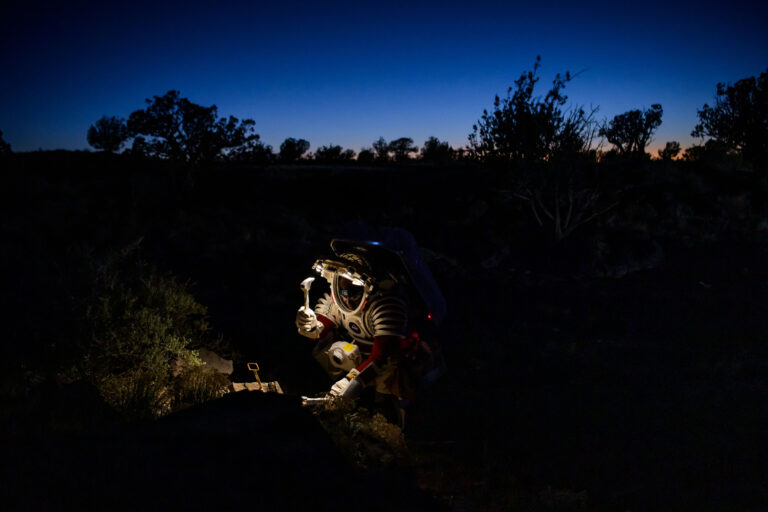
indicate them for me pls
(348, 72)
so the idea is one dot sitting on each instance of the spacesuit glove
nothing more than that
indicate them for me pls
(306, 321)
(348, 386)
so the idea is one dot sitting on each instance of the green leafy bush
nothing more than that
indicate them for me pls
(141, 329)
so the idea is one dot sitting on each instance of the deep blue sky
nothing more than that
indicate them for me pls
(349, 72)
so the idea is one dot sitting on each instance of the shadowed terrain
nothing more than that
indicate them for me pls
(245, 449)
(625, 366)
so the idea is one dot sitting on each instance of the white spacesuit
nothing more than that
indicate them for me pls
(375, 318)
(364, 325)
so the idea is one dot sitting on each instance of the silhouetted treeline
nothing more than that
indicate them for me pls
(521, 128)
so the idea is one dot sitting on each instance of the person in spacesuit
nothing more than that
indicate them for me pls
(366, 329)
(374, 320)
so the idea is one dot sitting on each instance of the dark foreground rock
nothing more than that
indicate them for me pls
(263, 452)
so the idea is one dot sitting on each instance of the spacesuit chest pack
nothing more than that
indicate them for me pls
(339, 356)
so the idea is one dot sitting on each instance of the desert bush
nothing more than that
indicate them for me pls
(367, 439)
(549, 147)
(135, 394)
(142, 326)
(631, 131)
(198, 384)
(714, 154)
(292, 149)
(402, 148)
(562, 196)
(333, 154)
(737, 120)
(530, 128)
(255, 153)
(366, 156)
(436, 151)
(670, 151)
(382, 149)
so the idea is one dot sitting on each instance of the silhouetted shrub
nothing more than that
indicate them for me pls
(5, 148)
(712, 152)
(292, 149)
(554, 168)
(108, 134)
(382, 149)
(333, 154)
(174, 128)
(631, 131)
(739, 119)
(402, 148)
(670, 151)
(562, 195)
(436, 151)
(526, 127)
(366, 156)
(256, 153)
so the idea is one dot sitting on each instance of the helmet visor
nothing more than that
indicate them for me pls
(350, 293)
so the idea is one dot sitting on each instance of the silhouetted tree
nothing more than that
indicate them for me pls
(465, 153)
(524, 127)
(5, 148)
(328, 153)
(366, 156)
(739, 118)
(631, 131)
(402, 147)
(108, 134)
(711, 152)
(381, 148)
(177, 129)
(292, 149)
(670, 151)
(436, 151)
(333, 153)
(256, 153)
